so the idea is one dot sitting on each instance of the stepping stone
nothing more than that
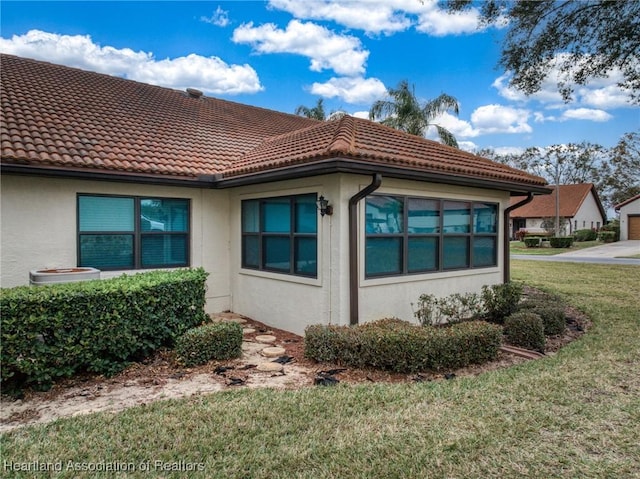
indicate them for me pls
(273, 352)
(270, 367)
(248, 330)
(265, 338)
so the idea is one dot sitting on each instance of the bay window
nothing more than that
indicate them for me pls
(409, 235)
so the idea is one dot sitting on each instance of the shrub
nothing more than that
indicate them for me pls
(551, 312)
(450, 309)
(532, 241)
(607, 236)
(501, 300)
(48, 332)
(222, 340)
(400, 346)
(525, 329)
(614, 227)
(585, 235)
(561, 241)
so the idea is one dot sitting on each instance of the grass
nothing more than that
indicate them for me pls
(574, 414)
(518, 247)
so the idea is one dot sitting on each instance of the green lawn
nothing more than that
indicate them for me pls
(518, 247)
(571, 415)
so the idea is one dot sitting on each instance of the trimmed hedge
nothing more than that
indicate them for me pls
(532, 241)
(525, 329)
(607, 236)
(97, 326)
(400, 346)
(199, 345)
(554, 320)
(561, 241)
(585, 235)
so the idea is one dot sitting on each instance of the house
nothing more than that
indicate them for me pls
(121, 176)
(579, 208)
(629, 218)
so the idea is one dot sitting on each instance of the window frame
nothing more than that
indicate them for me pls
(439, 236)
(293, 236)
(138, 233)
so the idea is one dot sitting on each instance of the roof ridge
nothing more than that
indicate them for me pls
(344, 138)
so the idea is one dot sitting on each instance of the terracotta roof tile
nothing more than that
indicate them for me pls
(89, 120)
(65, 118)
(571, 198)
(359, 139)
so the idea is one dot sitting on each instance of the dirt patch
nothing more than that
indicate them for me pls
(160, 377)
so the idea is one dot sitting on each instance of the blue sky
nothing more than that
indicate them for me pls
(281, 54)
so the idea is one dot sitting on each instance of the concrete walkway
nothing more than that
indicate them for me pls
(610, 253)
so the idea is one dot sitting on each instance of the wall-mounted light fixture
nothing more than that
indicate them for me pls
(324, 207)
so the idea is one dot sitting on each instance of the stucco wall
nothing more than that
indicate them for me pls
(39, 228)
(588, 215)
(392, 297)
(630, 209)
(292, 303)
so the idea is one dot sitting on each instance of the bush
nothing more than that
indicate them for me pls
(532, 241)
(525, 329)
(551, 312)
(97, 326)
(221, 340)
(450, 309)
(611, 227)
(607, 236)
(561, 241)
(400, 346)
(501, 300)
(585, 235)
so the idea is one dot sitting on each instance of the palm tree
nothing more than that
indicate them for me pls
(404, 112)
(317, 112)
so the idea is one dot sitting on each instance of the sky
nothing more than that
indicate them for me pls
(281, 54)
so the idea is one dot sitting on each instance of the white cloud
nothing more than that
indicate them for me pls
(439, 23)
(459, 128)
(354, 90)
(209, 74)
(326, 49)
(469, 146)
(372, 17)
(384, 16)
(361, 114)
(586, 114)
(219, 18)
(500, 119)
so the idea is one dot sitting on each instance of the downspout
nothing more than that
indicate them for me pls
(353, 246)
(506, 253)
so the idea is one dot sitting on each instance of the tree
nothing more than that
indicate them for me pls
(622, 172)
(404, 112)
(318, 113)
(583, 40)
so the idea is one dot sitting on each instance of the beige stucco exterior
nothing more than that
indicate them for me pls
(39, 228)
(39, 231)
(629, 213)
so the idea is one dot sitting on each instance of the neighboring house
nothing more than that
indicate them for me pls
(103, 172)
(629, 218)
(580, 208)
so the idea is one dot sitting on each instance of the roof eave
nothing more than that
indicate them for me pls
(202, 181)
(341, 165)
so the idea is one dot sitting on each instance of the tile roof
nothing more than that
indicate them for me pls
(571, 198)
(63, 117)
(67, 119)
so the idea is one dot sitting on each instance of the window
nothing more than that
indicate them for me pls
(280, 235)
(117, 232)
(408, 235)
